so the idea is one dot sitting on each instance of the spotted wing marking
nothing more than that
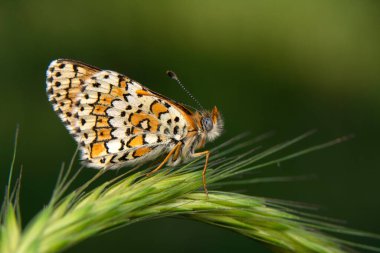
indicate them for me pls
(104, 112)
(64, 81)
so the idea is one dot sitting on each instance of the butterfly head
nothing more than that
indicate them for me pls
(212, 124)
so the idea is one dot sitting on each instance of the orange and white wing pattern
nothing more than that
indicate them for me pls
(116, 120)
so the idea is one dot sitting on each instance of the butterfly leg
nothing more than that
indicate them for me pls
(176, 147)
(207, 155)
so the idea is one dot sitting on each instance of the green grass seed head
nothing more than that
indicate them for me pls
(84, 212)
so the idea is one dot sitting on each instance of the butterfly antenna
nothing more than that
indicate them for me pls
(173, 76)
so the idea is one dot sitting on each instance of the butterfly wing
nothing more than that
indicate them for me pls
(104, 111)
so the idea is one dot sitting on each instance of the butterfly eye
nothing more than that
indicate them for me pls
(207, 124)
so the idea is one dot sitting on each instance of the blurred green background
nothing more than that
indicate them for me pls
(285, 66)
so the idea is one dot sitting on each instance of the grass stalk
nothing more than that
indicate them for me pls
(87, 211)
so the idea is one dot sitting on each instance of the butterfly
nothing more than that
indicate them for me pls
(119, 122)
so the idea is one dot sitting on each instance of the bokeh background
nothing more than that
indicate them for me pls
(284, 66)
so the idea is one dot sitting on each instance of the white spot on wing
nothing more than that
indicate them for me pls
(151, 138)
(114, 146)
